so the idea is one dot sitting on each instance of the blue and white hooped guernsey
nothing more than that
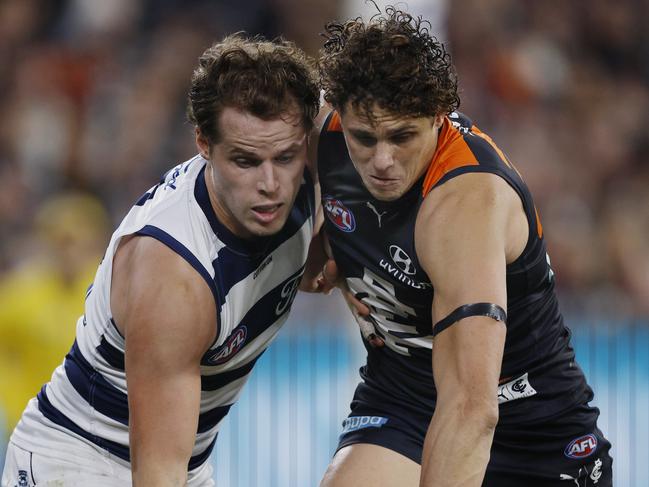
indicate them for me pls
(253, 282)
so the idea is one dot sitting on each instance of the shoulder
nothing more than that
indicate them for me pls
(469, 192)
(476, 207)
(151, 282)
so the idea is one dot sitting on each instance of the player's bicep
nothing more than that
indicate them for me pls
(461, 241)
(169, 320)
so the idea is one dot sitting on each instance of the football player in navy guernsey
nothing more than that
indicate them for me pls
(196, 282)
(437, 238)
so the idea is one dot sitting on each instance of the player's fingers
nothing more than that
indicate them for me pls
(330, 273)
(323, 286)
(368, 330)
(355, 304)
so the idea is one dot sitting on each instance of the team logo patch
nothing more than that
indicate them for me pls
(402, 260)
(339, 214)
(581, 447)
(517, 388)
(229, 349)
(356, 423)
(22, 479)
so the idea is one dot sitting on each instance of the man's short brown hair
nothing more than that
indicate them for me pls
(265, 78)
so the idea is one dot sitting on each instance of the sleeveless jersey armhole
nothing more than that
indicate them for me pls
(533, 224)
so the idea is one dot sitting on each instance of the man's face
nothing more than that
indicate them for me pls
(255, 171)
(390, 152)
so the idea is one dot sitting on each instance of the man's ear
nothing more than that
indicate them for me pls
(438, 121)
(202, 144)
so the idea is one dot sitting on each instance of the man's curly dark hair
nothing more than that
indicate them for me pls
(392, 61)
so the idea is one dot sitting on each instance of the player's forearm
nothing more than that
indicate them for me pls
(162, 432)
(457, 445)
(159, 464)
(155, 474)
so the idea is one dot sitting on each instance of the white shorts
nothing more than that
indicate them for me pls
(55, 457)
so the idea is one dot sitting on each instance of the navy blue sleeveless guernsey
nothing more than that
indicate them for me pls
(373, 244)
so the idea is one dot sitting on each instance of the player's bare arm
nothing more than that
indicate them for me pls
(467, 231)
(166, 313)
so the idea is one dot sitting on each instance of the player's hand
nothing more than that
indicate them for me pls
(331, 278)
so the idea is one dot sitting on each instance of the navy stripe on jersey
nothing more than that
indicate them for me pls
(112, 322)
(180, 249)
(89, 290)
(211, 418)
(147, 196)
(111, 402)
(113, 356)
(94, 388)
(53, 414)
(231, 268)
(198, 460)
(214, 382)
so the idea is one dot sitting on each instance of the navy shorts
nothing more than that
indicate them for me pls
(568, 450)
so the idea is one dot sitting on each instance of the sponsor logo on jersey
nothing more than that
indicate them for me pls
(288, 294)
(515, 389)
(262, 266)
(581, 447)
(356, 423)
(402, 260)
(401, 277)
(231, 346)
(401, 268)
(339, 214)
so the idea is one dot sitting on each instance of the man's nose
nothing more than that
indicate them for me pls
(268, 182)
(383, 158)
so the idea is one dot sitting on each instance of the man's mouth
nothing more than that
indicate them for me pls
(266, 213)
(383, 181)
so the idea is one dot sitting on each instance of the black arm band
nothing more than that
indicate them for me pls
(476, 309)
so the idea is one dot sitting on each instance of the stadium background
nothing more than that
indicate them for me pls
(92, 97)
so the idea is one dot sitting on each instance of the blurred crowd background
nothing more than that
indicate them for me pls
(92, 101)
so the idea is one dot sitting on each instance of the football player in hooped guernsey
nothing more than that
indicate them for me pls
(470, 377)
(196, 282)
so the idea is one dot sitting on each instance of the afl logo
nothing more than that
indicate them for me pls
(233, 344)
(339, 215)
(402, 260)
(582, 447)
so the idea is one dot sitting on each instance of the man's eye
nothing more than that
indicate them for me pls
(244, 162)
(284, 158)
(401, 138)
(366, 141)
